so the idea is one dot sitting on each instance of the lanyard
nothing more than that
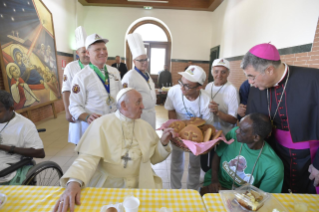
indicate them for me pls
(104, 79)
(80, 64)
(145, 76)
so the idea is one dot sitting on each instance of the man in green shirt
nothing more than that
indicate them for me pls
(249, 156)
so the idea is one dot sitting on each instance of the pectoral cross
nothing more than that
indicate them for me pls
(126, 158)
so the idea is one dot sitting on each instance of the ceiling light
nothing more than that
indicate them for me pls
(148, 7)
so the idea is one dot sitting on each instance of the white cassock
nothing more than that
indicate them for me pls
(88, 94)
(147, 89)
(70, 71)
(101, 148)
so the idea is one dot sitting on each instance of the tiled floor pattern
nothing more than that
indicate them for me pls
(57, 148)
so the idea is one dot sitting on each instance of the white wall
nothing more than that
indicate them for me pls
(191, 30)
(64, 20)
(238, 25)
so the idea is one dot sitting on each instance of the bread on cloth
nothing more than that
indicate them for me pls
(196, 121)
(192, 133)
(177, 125)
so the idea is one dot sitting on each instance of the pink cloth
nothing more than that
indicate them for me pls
(265, 51)
(194, 147)
(284, 139)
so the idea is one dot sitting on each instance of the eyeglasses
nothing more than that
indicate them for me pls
(142, 60)
(252, 78)
(186, 86)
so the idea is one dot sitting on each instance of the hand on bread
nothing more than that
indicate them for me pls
(168, 134)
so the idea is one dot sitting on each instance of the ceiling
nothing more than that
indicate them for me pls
(202, 5)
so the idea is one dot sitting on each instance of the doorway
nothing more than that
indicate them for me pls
(157, 43)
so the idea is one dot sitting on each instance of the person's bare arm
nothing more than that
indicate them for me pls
(28, 152)
(66, 101)
(213, 106)
(215, 186)
(172, 114)
(88, 117)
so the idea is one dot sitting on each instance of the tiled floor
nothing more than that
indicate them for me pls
(57, 148)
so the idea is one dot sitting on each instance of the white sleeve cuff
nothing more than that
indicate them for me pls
(74, 180)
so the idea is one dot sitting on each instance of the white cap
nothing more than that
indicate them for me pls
(80, 36)
(136, 45)
(194, 74)
(94, 38)
(122, 92)
(221, 62)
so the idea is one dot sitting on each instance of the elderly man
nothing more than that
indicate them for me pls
(249, 159)
(120, 66)
(18, 137)
(139, 79)
(116, 152)
(184, 101)
(224, 103)
(224, 97)
(289, 96)
(95, 87)
(69, 72)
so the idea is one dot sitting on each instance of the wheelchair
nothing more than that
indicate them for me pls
(46, 173)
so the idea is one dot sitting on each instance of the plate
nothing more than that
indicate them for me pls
(228, 198)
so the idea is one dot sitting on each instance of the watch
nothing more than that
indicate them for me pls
(11, 150)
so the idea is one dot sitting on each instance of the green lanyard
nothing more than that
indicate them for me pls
(80, 64)
(98, 72)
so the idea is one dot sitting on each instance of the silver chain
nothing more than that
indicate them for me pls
(216, 92)
(130, 146)
(271, 119)
(253, 167)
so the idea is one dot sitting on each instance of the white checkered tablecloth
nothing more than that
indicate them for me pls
(213, 202)
(29, 198)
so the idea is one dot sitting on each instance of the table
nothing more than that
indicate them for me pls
(29, 198)
(213, 202)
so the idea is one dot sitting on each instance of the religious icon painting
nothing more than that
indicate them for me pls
(28, 53)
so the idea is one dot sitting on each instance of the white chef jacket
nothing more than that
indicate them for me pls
(133, 79)
(88, 94)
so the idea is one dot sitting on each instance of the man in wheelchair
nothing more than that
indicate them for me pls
(18, 138)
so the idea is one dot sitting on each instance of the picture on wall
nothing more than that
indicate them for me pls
(28, 53)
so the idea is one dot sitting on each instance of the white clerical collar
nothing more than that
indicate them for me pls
(283, 75)
(122, 117)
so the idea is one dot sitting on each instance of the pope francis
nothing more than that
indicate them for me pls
(116, 151)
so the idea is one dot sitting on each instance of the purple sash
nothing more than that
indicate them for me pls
(284, 139)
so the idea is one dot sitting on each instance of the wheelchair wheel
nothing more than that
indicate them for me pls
(47, 173)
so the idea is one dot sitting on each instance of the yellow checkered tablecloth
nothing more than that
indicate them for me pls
(29, 198)
(213, 202)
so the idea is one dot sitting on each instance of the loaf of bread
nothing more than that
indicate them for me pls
(191, 133)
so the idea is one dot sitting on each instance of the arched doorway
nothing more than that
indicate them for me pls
(157, 42)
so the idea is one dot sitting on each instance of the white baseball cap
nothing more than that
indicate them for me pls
(194, 74)
(221, 62)
(94, 38)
